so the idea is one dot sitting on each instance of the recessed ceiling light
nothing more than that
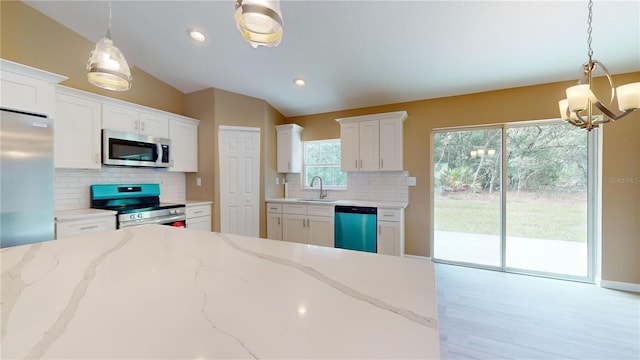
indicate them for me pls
(299, 81)
(197, 35)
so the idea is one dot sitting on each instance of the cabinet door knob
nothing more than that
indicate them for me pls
(142, 126)
(278, 220)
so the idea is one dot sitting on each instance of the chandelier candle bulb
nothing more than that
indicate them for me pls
(563, 105)
(629, 96)
(578, 97)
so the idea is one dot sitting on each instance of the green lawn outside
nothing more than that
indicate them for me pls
(552, 218)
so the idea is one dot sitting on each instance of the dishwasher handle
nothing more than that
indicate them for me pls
(356, 210)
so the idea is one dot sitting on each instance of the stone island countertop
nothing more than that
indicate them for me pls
(155, 291)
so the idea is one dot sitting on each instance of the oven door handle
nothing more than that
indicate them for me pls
(154, 221)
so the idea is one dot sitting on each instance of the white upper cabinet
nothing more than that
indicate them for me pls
(76, 132)
(184, 145)
(391, 145)
(27, 89)
(372, 142)
(154, 125)
(132, 120)
(289, 148)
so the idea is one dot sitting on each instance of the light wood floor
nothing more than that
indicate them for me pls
(493, 315)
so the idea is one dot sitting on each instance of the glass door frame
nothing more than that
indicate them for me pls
(594, 197)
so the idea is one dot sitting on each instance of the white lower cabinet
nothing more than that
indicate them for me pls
(308, 224)
(83, 222)
(199, 216)
(274, 221)
(391, 231)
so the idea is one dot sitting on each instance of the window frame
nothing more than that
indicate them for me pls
(303, 174)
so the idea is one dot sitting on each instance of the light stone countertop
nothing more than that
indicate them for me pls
(369, 203)
(197, 202)
(78, 214)
(154, 291)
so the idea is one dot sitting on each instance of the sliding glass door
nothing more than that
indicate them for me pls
(546, 202)
(467, 196)
(533, 216)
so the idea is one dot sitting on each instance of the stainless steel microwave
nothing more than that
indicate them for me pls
(127, 149)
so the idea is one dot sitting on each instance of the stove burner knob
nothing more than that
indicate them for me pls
(139, 216)
(172, 211)
(132, 217)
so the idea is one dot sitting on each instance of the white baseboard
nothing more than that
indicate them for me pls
(417, 257)
(617, 285)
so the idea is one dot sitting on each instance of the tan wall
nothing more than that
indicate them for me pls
(271, 190)
(215, 107)
(30, 38)
(201, 105)
(621, 202)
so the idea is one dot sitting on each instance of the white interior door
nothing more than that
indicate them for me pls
(239, 149)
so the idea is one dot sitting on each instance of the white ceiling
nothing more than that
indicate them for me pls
(363, 53)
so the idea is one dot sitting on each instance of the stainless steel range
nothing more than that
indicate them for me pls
(137, 204)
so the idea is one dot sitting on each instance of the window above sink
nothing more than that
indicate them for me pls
(322, 158)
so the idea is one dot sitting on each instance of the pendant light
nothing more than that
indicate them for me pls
(107, 68)
(259, 22)
(580, 98)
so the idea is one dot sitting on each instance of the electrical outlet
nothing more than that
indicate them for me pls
(411, 181)
(198, 181)
(277, 181)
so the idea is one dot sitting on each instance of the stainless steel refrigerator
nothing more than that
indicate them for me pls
(26, 178)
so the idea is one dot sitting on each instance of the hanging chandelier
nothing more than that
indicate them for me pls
(259, 22)
(577, 108)
(107, 68)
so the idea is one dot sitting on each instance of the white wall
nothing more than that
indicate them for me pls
(376, 186)
(72, 186)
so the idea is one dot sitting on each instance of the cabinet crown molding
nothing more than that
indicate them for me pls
(402, 115)
(105, 100)
(289, 126)
(25, 70)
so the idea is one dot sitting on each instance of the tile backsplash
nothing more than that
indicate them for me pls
(72, 186)
(374, 186)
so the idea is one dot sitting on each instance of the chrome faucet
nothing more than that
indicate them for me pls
(323, 194)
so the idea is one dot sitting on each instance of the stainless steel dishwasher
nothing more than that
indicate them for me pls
(356, 228)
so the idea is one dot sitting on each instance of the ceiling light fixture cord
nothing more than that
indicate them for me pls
(109, 27)
(589, 29)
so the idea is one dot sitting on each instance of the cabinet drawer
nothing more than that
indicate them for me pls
(389, 214)
(294, 209)
(320, 210)
(197, 211)
(76, 228)
(274, 208)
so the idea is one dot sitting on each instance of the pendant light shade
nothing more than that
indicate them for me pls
(259, 22)
(107, 68)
